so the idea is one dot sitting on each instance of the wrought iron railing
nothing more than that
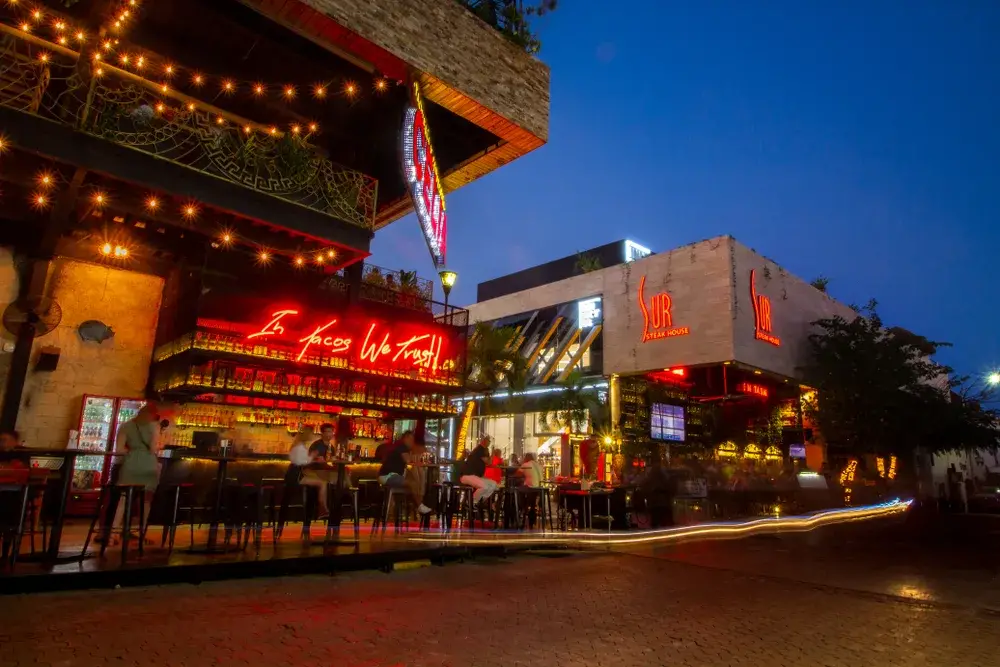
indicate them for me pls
(131, 111)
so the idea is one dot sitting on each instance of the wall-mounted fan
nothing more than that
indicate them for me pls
(43, 312)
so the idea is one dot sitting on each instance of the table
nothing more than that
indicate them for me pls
(212, 546)
(52, 555)
(336, 504)
(588, 503)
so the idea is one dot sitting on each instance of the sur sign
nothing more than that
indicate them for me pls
(657, 318)
(761, 313)
(423, 179)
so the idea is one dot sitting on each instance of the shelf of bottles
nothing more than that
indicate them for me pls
(634, 409)
(231, 377)
(209, 415)
(95, 432)
(233, 344)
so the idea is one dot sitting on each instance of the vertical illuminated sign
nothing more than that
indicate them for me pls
(761, 313)
(423, 179)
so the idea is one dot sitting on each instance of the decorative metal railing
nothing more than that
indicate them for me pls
(43, 79)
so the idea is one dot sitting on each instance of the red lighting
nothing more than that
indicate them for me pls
(656, 317)
(752, 389)
(369, 343)
(426, 189)
(761, 313)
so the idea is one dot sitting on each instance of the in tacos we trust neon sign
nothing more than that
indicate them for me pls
(370, 343)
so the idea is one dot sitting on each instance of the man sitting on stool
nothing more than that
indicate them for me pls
(391, 474)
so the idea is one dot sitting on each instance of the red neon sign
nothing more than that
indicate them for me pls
(751, 389)
(761, 313)
(423, 179)
(656, 317)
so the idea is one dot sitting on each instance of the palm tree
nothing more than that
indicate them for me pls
(575, 406)
(493, 362)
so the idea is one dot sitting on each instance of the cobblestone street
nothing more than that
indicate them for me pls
(597, 609)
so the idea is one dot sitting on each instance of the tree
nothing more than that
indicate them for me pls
(587, 262)
(512, 18)
(494, 361)
(880, 392)
(575, 405)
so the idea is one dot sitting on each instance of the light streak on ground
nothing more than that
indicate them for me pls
(798, 523)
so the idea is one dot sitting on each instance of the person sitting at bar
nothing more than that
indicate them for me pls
(474, 472)
(494, 469)
(301, 458)
(392, 472)
(383, 449)
(321, 449)
(9, 441)
(531, 472)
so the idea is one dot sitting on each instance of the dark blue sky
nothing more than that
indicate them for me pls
(855, 140)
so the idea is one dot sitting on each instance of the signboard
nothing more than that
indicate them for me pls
(658, 321)
(752, 389)
(796, 451)
(761, 313)
(350, 338)
(423, 180)
(588, 312)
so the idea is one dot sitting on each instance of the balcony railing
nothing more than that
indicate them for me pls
(131, 111)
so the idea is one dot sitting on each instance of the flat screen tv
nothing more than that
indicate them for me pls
(666, 422)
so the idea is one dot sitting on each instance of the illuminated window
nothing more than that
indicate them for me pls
(666, 422)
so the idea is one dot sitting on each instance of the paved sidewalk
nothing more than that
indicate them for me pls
(576, 610)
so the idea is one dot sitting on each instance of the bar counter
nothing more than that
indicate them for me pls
(180, 467)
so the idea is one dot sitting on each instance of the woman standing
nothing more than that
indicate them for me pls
(139, 439)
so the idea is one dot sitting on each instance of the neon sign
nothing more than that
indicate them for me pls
(380, 346)
(658, 322)
(761, 313)
(423, 179)
(751, 389)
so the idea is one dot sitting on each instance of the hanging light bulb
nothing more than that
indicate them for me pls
(152, 203)
(299, 261)
(258, 89)
(99, 199)
(190, 211)
(106, 249)
(381, 85)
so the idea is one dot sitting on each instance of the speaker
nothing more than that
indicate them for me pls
(48, 359)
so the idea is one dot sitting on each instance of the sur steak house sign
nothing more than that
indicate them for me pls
(423, 179)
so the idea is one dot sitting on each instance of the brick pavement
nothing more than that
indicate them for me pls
(594, 610)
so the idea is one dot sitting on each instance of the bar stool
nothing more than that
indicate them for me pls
(174, 494)
(535, 496)
(391, 495)
(131, 493)
(460, 501)
(13, 515)
(352, 494)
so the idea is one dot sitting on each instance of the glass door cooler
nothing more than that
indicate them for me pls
(97, 421)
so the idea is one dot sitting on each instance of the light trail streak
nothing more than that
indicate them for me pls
(664, 535)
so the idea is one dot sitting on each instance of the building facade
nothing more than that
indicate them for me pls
(698, 345)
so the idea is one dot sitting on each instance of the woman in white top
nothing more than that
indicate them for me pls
(300, 458)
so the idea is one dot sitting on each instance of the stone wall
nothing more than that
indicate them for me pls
(129, 302)
(443, 39)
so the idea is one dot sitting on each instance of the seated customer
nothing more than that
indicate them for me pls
(392, 472)
(474, 472)
(530, 471)
(9, 441)
(298, 473)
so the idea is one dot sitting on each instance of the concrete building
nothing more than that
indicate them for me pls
(698, 344)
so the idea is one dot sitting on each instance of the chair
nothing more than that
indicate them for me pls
(113, 494)
(14, 493)
(460, 501)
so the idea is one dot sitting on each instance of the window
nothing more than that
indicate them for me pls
(666, 422)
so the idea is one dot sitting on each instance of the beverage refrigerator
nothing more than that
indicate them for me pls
(100, 418)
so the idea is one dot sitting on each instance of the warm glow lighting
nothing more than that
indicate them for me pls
(993, 379)
(228, 86)
(273, 130)
(247, 129)
(123, 58)
(295, 129)
(25, 27)
(320, 91)
(163, 87)
(381, 85)
(37, 15)
(97, 56)
(319, 259)
(299, 261)
(99, 199)
(152, 203)
(313, 127)
(169, 70)
(190, 211)
(290, 92)
(258, 89)
(197, 79)
(160, 107)
(44, 57)
(99, 71)
(107, 45)
(45, 179)
(657, 320)
(350, 89)
(40, 200)
(220, 120)
(226, 238)
(448, 278)
(264, 257)
(331, 254)
(59, 25)
(121, 251)
(190, 106)
(106, 249)
(140, 62)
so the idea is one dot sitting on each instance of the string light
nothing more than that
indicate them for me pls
(313, 127)
(220, 121)
(190, 211)
(273, 131)
(25, 27)
(226, 238)
(62, 40)
(123, 59)
(99, 198)
(107, 45)
(319, 259)
(331, 254)
(264, 257)
(59, 25)
(81, 36)
(295, 129)
(228, 86)
(258, 89)
(299, 261)
(40, 200)
(161, 107)
(350, 88)
(381, 85)
(163, 87)
(320, 92)
(289, 92)
(99, 71)
(121, 252)
(140, 62)
(247, 129)
(190, 106)
(106, 249)
(37, 15)
(45, 180)
(169, 70)
(197, 79)
(152, 203)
